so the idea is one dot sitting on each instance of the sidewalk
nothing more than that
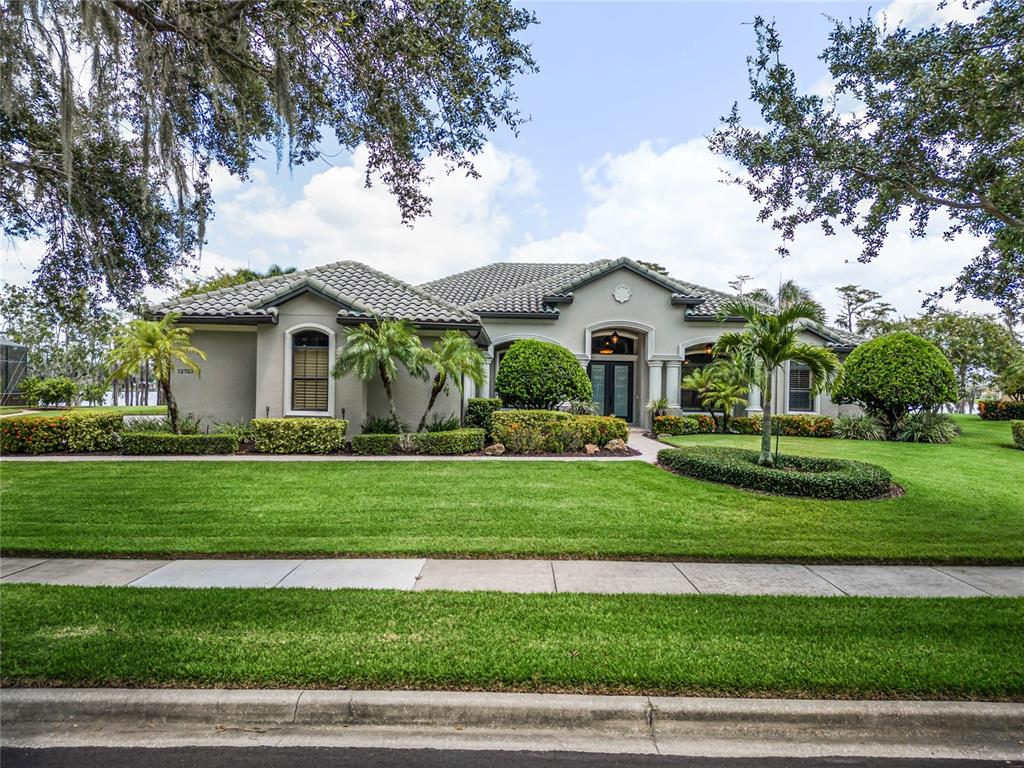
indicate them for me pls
(592, 576)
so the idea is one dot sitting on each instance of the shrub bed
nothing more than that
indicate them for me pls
(89, 432)
(375, 444)
(449, 443)
(1001, 410)
(817, 478)
(1017, 429)
(150, 443)
(539, 431)
(76, 432)
(299, 435)
(789, 425)
(479, 411)
(695, 424)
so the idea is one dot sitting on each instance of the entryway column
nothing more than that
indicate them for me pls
(485, 387)
(654, 390)
(672, 372)
(754, 400)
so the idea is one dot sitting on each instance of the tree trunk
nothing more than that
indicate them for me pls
(391, 399)
(765, 459)
(172, 406)
(434, 392)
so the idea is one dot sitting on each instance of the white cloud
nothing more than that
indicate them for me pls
(918, 14)
(671, 207)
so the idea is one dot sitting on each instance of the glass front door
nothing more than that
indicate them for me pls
(613, 388)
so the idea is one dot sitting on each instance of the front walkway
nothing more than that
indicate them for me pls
(595, 576)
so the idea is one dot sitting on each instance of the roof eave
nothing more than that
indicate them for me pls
(517, 315)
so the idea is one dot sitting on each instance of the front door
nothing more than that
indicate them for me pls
(613, 388)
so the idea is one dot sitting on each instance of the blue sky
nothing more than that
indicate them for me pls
(612, 163)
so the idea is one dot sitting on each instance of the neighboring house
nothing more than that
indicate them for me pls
(270, 343)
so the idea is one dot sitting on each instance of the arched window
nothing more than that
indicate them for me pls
(310, 371)
(612, 343)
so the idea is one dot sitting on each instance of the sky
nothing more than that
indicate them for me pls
(613, 162)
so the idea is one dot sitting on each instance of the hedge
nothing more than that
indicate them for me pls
(696, 424)
(792, 476)
(1001, 410)
(540, 431)
(375, 444)
(450, 443)
(77, 432)
(148, 443)
(540, 374)
(479, 411)
(790, 425)
(1017, 429)
(315, 435)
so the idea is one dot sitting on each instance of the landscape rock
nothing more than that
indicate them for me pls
(494, 450)
(591, 449)
(616, 446)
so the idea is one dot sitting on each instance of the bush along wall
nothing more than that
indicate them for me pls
(1001, 410)
(542, 431)
(147, 443)
(75, 432)
(299, 435)
(696, 424)
(1017, 430)
(789, 425)
(370, 444)
(450, 443)
(479, 411)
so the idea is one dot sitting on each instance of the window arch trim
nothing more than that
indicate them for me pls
(289, 347)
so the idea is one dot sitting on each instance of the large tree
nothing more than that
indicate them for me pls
(112, 113)
(222, 278)
(935, 129)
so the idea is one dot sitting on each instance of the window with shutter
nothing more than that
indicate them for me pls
(800, 388)
(310, 371)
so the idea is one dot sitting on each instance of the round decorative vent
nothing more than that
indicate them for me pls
(622, 294)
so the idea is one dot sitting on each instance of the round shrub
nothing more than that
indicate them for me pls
(539, 374)
(791, 476)
(894, 375)
(1017, 430)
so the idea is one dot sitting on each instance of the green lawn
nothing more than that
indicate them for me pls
(9, 409)
(964, 503)
(126, 410)
(699, 644)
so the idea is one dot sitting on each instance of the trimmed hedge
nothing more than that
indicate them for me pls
(76, 432)
(540, 374)
(697, 424)
(449, 443)
(792, 476)
(789, 425)
(1017, 429)
(479, 411)
(314, 435)
(540, 431)
(1001, 410)
(147, 443)
(370, 444)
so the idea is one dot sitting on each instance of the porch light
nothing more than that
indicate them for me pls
(708, 348)
(615, 338)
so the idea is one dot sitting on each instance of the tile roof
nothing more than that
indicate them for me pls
(502, 279)
(363, 291)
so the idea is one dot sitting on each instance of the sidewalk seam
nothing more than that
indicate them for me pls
(686, 578)
(278, 582)
(29, 567)
(962, 581)
(836, 586)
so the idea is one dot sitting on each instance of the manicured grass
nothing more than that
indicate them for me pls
(8, 409)
(793, 646)
(964, 503)
(126, 410)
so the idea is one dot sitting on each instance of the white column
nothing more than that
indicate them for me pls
(754, 400)
(654, 388)
(485, 387)
(672, 373)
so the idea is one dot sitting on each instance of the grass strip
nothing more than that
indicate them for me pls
(646, 644)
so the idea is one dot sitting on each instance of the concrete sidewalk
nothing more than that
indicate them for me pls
(591, 576)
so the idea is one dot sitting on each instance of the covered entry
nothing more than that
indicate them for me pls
(611, 369)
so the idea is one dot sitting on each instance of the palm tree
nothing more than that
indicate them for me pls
(377, 350)
(767, 343)
(724, 396)
(158, 342)
(789, 293)
(453, 356)
(721, 386)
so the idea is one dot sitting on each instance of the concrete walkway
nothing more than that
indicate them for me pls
(593, 576)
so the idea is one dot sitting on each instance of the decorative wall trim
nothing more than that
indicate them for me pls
(286, 404)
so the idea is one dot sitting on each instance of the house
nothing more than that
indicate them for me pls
(270, 342)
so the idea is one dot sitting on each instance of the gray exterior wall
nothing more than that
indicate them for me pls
(225, 390)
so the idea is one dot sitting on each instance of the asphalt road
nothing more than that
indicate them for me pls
(322, 757)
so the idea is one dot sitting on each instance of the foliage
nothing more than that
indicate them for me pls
(790, 425)
(479, 411)
(299, 435)
(684, 425)
(368, 444)
(187, 425)
(53, 391)
(861, 310)
(582, 407)
(160, 343)
(440, 423)
(450, 442)
(454, 357)
(540, 374)
(894, 375)
(376, 350)
(90, 432)
(929, 136)
(721, 386)
(1017, 430)
(926, 427)
(545, 431)
(862, 427)
(657, 407)
(381, 425)
(110, 161)
(242, 430)
(224, 279)
(788, 293)
(1000, 410)
(75, 432)
(1011, 380)
(768, 342)
(138, 443)
(790, 476)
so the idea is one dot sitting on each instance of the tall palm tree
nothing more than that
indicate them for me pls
(766, 344)
(377, 349)
(163, 345)
(789, 293)
(453, 357)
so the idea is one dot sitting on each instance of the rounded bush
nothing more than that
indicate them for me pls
(539, 374)
(894, 375)
(791, 476)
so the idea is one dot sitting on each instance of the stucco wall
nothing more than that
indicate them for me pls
(225, 390)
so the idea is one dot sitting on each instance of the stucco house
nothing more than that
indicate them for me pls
(270, 343)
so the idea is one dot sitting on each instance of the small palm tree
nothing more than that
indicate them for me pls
(453, 357)
(377, 349)
(724, 395)
(721, 386)
(789, 293)
(158, 342)
(767, 343)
